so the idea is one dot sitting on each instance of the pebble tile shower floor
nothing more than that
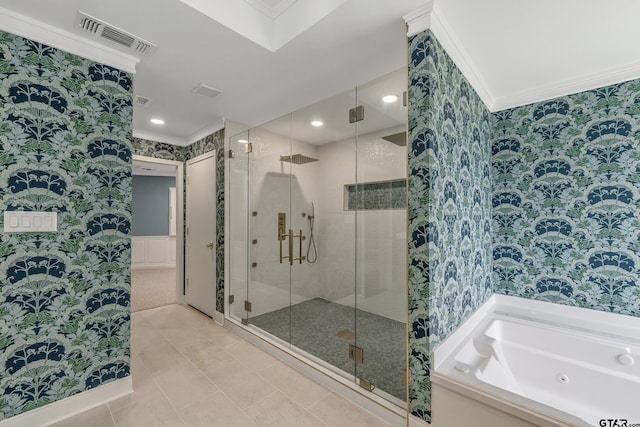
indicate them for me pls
(325, 329)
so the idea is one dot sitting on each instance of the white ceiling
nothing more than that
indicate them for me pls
(512, 51)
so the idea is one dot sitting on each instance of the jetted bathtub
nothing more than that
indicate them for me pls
(539, 363)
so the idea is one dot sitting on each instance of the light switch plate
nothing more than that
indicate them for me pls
(22, 222)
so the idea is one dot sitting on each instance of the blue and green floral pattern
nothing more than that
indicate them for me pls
(566, 204)
(449, 207)
(65, 137)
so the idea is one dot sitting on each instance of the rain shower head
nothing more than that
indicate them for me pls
(297, 159)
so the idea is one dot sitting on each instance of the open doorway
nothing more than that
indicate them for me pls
(157, 256)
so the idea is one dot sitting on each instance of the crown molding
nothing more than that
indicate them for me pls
(180, 142)
(420, 19)
(157, 137)
(568, 87)
(430, 17)
(449, 41)
(206, 131)
(32, 29)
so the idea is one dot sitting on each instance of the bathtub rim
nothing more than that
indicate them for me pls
(576, 318)
(527, 310)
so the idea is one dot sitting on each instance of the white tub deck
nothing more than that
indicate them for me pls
(552, 364)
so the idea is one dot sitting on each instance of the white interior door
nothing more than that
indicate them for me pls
(200, 248)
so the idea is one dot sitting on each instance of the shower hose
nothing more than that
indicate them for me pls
(312, 252)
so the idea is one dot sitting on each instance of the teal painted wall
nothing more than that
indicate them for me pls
(566, 200)
(65, 146)
(449, 207)
(150, 205)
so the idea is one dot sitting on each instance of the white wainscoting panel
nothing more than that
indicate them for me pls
(153, 251)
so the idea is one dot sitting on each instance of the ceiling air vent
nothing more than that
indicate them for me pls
(142, 101)
(102, 30)
(206, 90)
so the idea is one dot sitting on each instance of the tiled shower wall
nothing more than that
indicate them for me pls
(212, 142)
(449, 207)
(65, 136)
(566, 200)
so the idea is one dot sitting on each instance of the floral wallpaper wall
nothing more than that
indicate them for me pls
(65, 147)
(158, 150)
(212, 142)
(566, 203)
(449, 207)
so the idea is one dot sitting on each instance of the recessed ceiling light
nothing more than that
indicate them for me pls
(316, 123)
(389, 99)
(157, 121)
(243, 141)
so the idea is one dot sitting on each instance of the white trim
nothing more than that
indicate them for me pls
(430, 16)
(181, 142)
(417, 422)
(156, 137)
(218, 318)
(206, 131)
(153, 252)
(180, 218)
(568, 87)
(65, 408)
(447, 37)
(24, 26)
(420, 19)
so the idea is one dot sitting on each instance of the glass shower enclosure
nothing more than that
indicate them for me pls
(317, 234)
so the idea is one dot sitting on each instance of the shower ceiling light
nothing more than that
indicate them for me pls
(316, 123)
(157, 121)
(389, 99)
(243, 141)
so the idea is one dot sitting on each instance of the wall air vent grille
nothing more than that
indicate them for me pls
(118, 37)
(103, 30)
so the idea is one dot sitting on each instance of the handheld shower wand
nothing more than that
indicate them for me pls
(312, 252)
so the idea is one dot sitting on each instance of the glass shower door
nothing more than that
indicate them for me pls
(379, 202)
(238, 235)
(273, 246)
(319, 199)
(323, 287)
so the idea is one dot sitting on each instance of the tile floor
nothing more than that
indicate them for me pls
(189, 371)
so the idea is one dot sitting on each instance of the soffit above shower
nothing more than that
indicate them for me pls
(143, 168)
(268, 23)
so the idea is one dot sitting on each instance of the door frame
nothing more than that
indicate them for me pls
(179, 217)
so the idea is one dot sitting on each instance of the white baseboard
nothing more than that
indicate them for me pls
(417, 422)
(218, 318)
(65, 408)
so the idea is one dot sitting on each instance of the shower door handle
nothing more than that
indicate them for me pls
(291, 236)
(299, 236)
(290, 257)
